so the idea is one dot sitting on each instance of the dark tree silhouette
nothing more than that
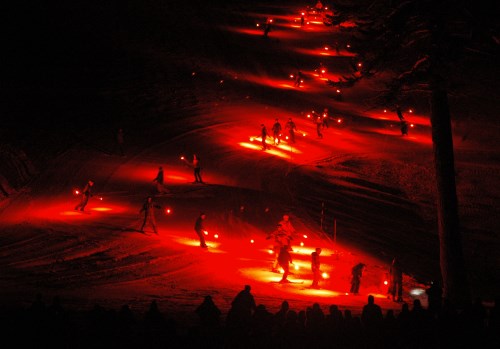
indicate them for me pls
(424, 46)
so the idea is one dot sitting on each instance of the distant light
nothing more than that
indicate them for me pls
(216, 236)
(258, 25)
(346, 293)
(417, 291)
(325, 275)
(326, 48)
(205, 232)
(252, 241)
(412, 125)
(193, 74)
(308, 115)
(303, 134)
(76, 191)
(291, 76)
(339, 121)
(182, 157)
(338, 91)
(222, 81)
(360, 64)
(410, 111)
(168, 211)
(286, 137)
(271, 251)
(385, 110)
(100, 198)
(386, 282)
(305, 236)
(348, 45)
(302, 244)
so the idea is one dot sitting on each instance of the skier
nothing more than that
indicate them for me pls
(298, 78)
(263, 135)
(276, 132)
(160, 188)
(284, 260)
(290, 126)
(315, 267)
(396, 286)
(280, 239)
(86, 193)
(357, 273)
(288, 229)
(149, 216)
(319, 124)
(200, 229)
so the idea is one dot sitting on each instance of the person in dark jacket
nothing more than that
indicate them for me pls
(284, 260)
(159, 179)
(263, 135)
(149, 216)
(86, 194)
(315, 267)
(396, 288)
(200, 229)
(276, 132)
(357, 273)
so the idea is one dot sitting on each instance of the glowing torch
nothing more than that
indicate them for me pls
(325, 275)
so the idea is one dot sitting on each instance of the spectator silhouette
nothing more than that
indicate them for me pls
(280, 316)
(371, 315)
(208, 313)
(240, 314)
(434, 298)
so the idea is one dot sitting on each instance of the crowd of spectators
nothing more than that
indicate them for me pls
(250, 325)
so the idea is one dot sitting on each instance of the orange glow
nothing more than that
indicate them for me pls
(101, 209)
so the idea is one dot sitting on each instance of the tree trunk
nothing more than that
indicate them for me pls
(455, 284)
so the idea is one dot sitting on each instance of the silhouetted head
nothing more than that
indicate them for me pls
(318, 250)
(371, 299)
(91, 183)
(247, 288)
(286, 217)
